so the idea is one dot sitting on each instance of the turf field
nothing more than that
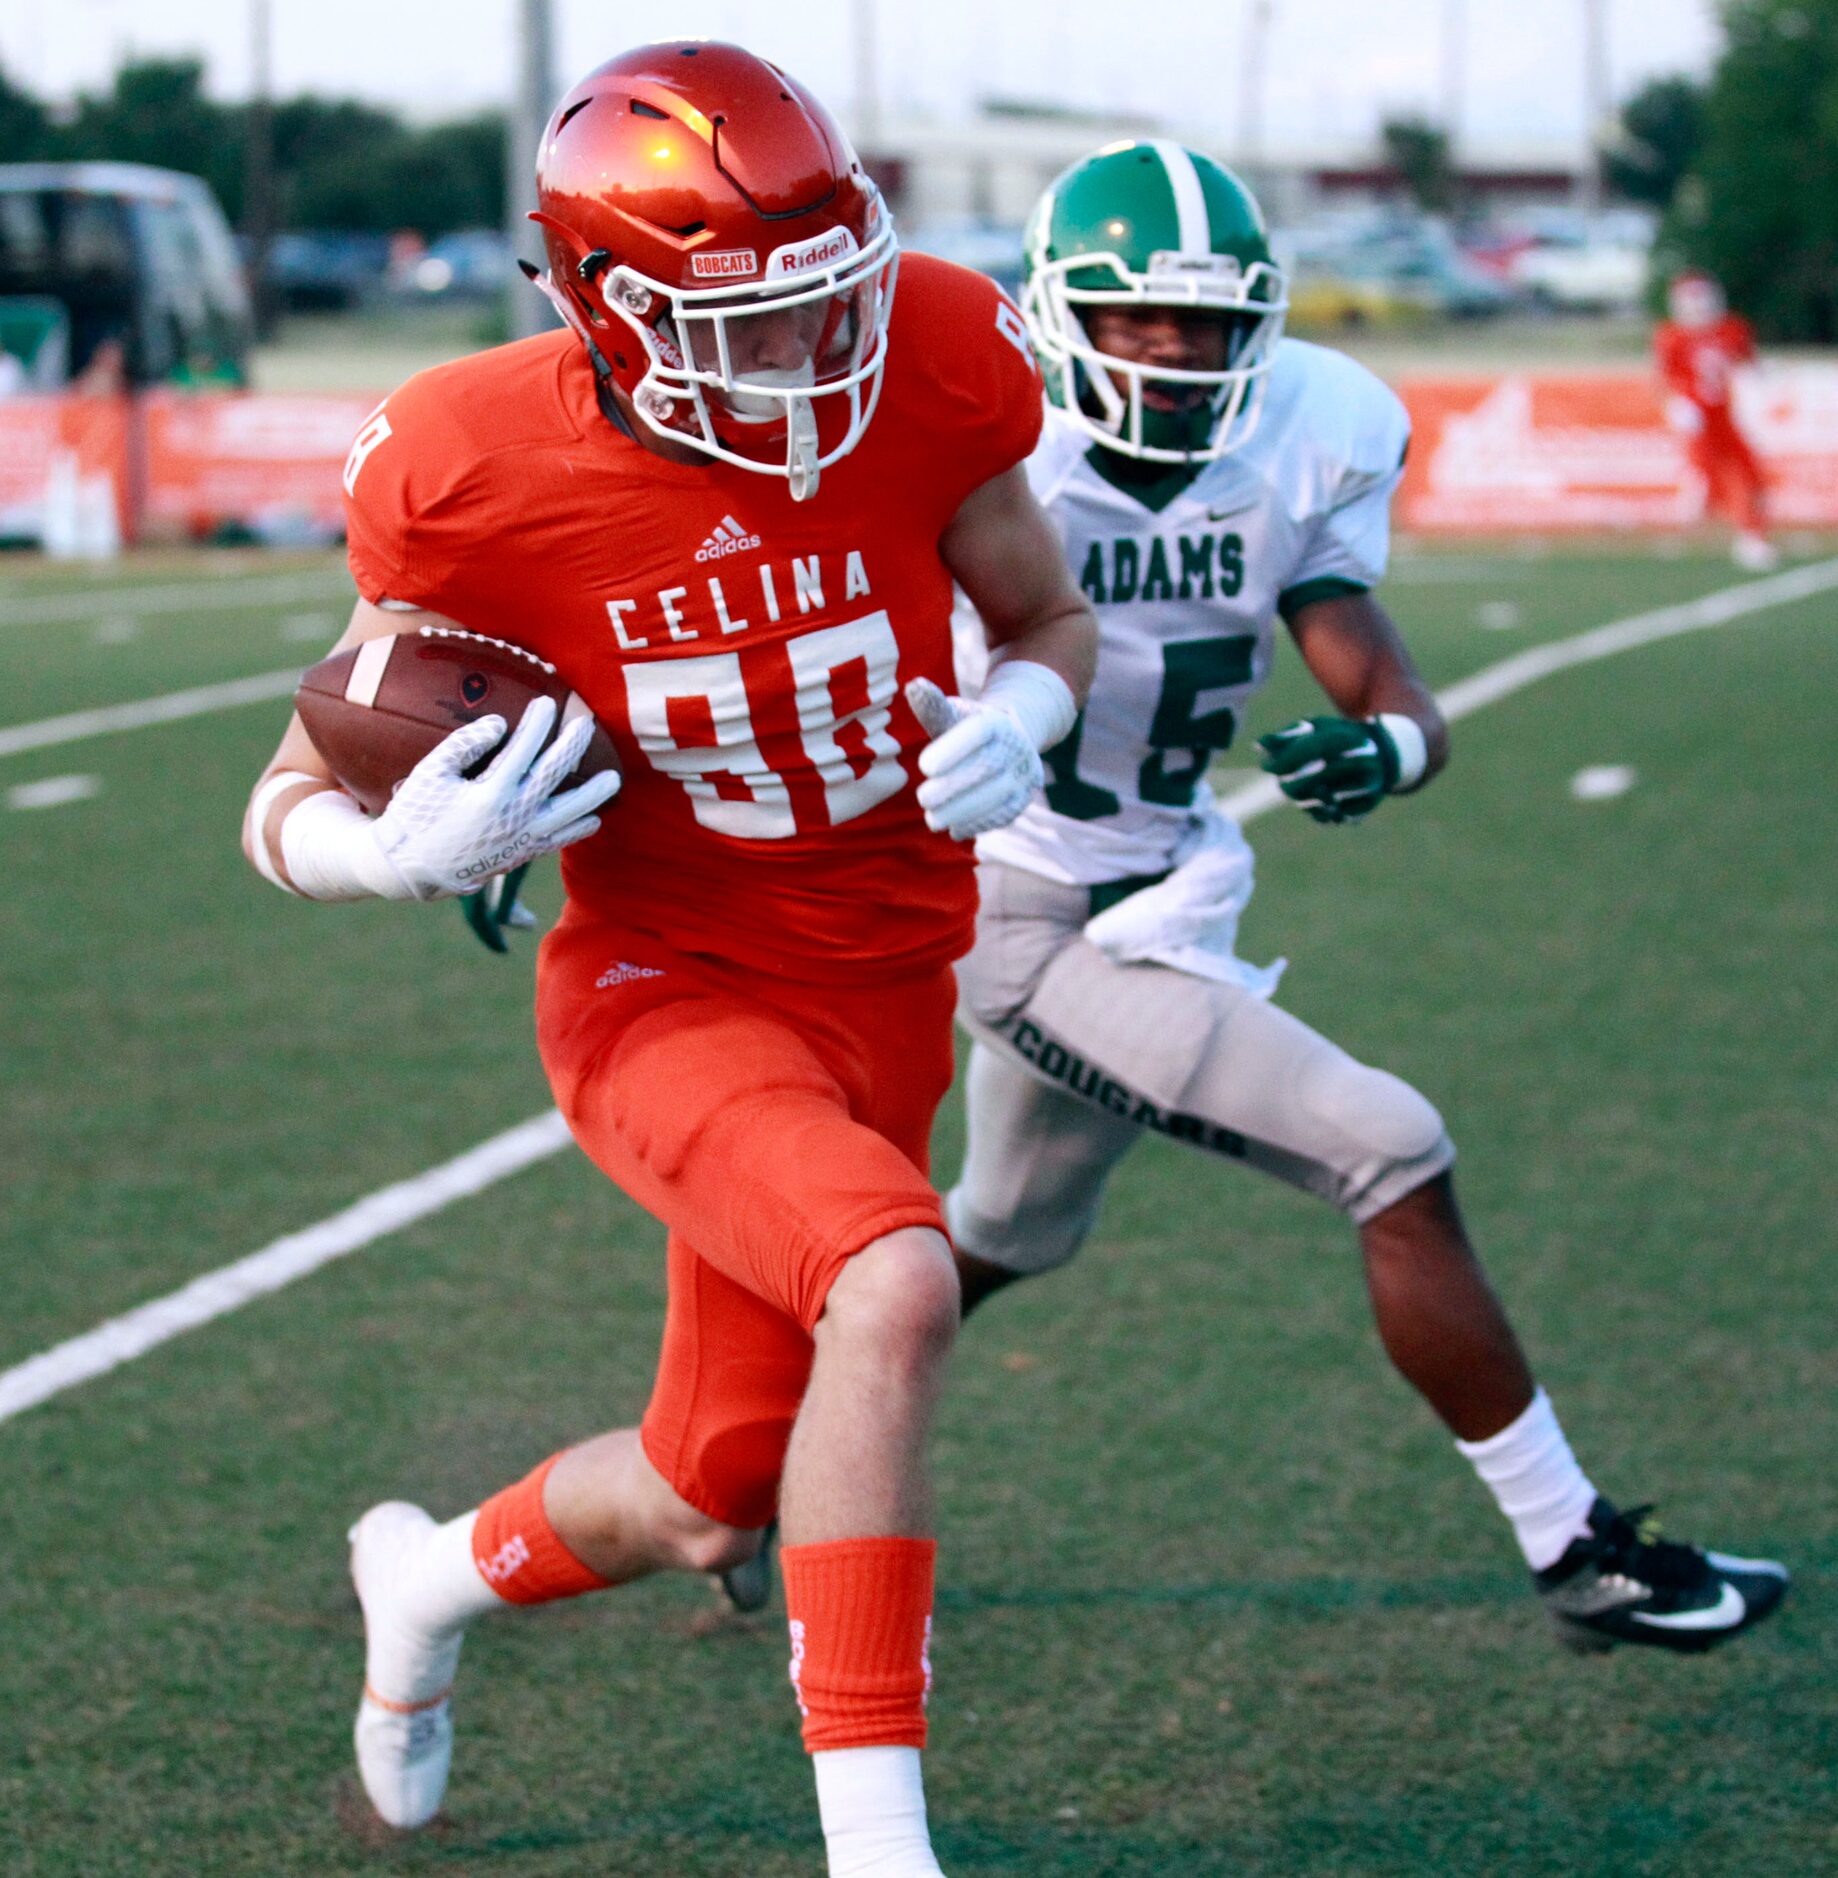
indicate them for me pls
(1217, 1597)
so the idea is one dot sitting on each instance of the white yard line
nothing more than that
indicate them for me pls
(1495, 682)
(167, 709)
(218, 596)
(121, 1339)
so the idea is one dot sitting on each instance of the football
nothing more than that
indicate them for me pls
(374, 711)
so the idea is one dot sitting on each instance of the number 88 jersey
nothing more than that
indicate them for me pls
(1187, 595)
(747, 653)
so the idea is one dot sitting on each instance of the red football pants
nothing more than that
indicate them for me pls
(776, 1129)
(1733, 478)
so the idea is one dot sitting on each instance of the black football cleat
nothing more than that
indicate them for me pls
(1622, 1583)
(748, 1587)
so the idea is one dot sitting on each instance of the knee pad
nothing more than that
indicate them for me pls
(1379, 1112)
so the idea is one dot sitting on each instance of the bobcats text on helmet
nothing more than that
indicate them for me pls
(662, 179)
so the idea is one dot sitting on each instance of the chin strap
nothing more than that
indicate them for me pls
(802, 450)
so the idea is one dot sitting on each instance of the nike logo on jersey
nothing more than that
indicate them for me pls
(718, 607)
(725, 538)
(1237, 508)
(1188, 567)
(1730, 1609)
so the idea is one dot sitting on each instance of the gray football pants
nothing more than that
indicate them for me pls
(1075, 1056)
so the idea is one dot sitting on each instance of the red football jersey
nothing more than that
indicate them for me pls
(1698, 362)
(747, 653)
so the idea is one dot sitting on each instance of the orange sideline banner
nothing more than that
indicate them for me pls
(262, 463)
(61, 458)
(1531, 453)
(1523, 453)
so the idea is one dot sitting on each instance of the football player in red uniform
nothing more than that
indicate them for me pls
(729, 505)
(1698, 350)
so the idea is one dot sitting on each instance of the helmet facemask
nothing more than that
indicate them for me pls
(1209, 413)
(744, 370)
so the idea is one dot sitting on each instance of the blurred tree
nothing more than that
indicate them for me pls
(338, 163)
(1419, 152)
(1662, 131)
(25, 125)
(450, 175)
(1760, 207)
(321, 148)
(157, 113)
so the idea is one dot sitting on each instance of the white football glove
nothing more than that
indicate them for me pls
(444, 833)
(981, 767)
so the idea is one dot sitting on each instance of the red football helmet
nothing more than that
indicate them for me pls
(715, 241)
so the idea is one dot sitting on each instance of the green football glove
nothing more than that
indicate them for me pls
(495, 909)
(1339, 768)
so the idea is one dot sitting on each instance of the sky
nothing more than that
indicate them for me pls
(1335, 68)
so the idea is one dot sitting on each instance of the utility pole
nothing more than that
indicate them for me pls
(1454, 71)
(1597, 103)
(867, 82)
(532, 96)
(1251, 87)
(258, 163)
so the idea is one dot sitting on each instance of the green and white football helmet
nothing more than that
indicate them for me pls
(1151, 223)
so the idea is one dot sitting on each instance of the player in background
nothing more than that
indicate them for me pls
(1699, 350)
(728, 505)
(1208, 477)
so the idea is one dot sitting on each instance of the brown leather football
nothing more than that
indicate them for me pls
(375, 710)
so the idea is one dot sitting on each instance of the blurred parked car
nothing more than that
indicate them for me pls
(324, 270)
(470, 264)
(1385, 271)
(1585, 266)
(992, 248)
(142, 262)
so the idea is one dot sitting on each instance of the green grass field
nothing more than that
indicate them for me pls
(1217, 1597)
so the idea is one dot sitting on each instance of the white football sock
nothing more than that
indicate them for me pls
(872, 1801)
(437, 1591)
(1529, 1469)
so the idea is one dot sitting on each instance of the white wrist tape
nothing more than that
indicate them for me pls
(1036, 697)
(1413, 751)
(277, 784)
(330, 848)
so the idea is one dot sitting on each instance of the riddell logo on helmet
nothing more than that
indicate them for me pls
(729, 264)
(807, 257)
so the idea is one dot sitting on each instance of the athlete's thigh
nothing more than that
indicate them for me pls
(1217, 1067)
(1035, 1163)
(730, 1376)
(720, 1115)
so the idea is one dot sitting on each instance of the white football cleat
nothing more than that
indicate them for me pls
(1755, 554)
(404, 1731)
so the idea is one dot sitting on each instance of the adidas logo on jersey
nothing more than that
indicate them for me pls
(727, 537)
(625, 973)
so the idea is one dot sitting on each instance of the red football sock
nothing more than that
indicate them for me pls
(861, 1632)
(518, 1552)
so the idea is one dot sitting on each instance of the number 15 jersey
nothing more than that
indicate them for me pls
(1187, 597)
(746, 653)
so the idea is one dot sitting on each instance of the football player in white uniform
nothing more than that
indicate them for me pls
(1208, 477)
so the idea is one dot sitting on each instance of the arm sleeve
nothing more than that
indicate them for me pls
(1350, 541)
(975, 378)
(407, 493)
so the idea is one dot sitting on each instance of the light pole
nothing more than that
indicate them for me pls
(1251, 88)
(1597, 102)
(258, 162)
(526, 312)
